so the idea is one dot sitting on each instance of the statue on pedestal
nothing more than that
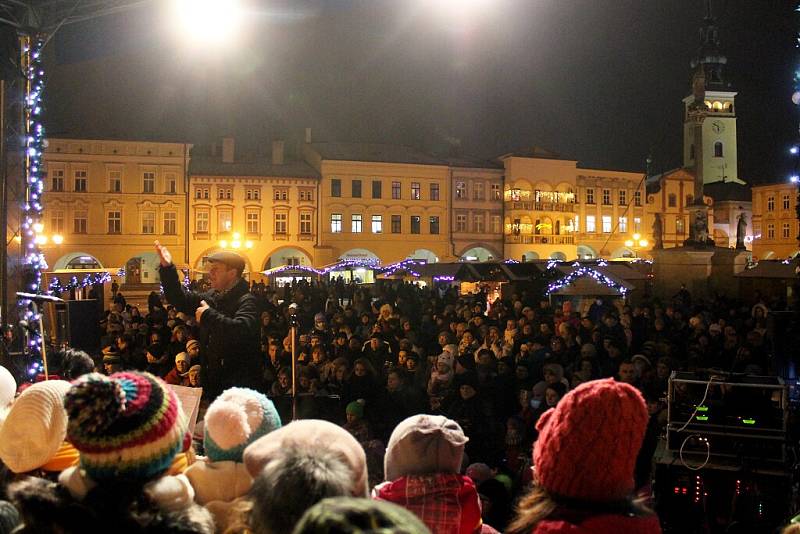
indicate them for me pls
(741, 231)
(658, 232)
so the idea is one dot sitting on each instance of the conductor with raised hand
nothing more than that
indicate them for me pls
(228, 319)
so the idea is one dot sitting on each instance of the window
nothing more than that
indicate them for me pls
(281, 223)
(305, 223)
(79, 222)
(201, 193)
(201, 222)
(377, 224)
(637, 198)
(336, 187)
(355, 223)
(224, 193)
(253, 222)
(355, 189)
(434, 224)
(623, 224)
(606, 197)
(434, 191)
(590, 224)
(114, 222)
(590, 196)
(679, 227)
(785, 202)
(306, 194)
(637, 225)
(58, 180)
(170, 223)
(172, 183)
(718, 149)
(57, 222)
(148, 182)
(770, 203)
(606, 224)
(672, 200)
(148, 222)
(495, 191)
(461, 190)
(786, 230)
(477, 190)
(80, 181)
(496, 228)
(461, 223)
(377, 185)
(115, 181)
(336, 223)
(415, 224)
(414, 190)
(771, 231)
(280, 193)
(252, 194)
(623, 197)
(396, 190)
(477, 223)
(225, 220)
(397, 224)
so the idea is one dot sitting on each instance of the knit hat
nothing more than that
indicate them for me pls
(424, 444)
(191, 344)
(8, 387)
(355, 408)
(235, 419)
(35, 426)
(315, 433)
(589, 442)
(127, 426)
(181, 357)
(348, 515)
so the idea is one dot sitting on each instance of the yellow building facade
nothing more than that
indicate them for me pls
(556, 210)
(476, 190)
(106, 201)
(380, 202)
(262, 206)
(775, 226)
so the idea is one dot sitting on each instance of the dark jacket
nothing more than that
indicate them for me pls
(229, 332)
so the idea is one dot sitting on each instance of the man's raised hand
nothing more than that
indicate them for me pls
(163, 254)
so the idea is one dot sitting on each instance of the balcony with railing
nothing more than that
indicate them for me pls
(540, 239)
(537, 200)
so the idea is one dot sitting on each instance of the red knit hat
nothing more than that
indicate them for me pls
(588, 443)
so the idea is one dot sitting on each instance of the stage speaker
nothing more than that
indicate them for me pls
(83, 325)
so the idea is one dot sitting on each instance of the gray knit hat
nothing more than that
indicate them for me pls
(424, 444)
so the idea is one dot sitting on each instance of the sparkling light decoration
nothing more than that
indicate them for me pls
(57, 288)
(444, 278)
(585, 271)
(370, 263)
(33, 259)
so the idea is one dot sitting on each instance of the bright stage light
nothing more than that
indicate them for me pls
(58, 239)
(210, 21)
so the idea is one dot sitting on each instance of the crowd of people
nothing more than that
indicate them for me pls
(518, 415)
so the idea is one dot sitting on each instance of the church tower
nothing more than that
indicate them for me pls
(711, 148)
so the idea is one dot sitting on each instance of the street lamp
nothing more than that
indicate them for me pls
(636, 243)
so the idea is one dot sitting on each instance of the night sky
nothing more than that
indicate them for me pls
(596, 81)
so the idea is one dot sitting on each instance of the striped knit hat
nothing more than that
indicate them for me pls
(235, 419)
(127, 426)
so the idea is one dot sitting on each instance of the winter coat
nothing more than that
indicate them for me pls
(601, 524)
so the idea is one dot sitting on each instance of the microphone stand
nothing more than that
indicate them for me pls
(293, 333)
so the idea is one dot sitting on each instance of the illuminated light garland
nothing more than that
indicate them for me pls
(58, 288)
(404, 265)
(33, 259)
(585, 271)
(369, 263)
(444, 278)
(511, 260)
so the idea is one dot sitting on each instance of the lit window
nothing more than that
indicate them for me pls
(590, 224)
(495, 191)
(415, 189)
(170, 223)
(496, 224)
(225, 221)
(637, 225)
(336, 223)
(623, 224)
(253, 222)
(305, 223)
(355, 223)
(201, 222)
(461, 190)
(679, 226)
(148, 222)
(377, 224)
(785, 202)
(606, 224)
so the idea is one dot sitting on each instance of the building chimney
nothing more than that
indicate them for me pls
(308, 135)
(227, 149)
(277, 152)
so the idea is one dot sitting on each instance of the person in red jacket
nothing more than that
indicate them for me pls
(584, 464)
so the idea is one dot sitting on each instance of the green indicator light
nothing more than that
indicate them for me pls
(702, 418)
(749, 421)
(702, 408)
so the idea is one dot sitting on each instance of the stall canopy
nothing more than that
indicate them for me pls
(588, 280)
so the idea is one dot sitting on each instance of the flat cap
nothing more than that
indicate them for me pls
(231, 259)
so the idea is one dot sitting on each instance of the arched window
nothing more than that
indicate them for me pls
(718, 149)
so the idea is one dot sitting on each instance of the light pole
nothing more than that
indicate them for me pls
(636, 243)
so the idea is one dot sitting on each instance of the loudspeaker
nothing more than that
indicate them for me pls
(83, 325)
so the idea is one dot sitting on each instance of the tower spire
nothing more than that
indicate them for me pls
(709, 53)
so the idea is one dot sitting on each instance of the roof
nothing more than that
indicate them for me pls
(378, 153)
(722, 191)
(534, 152)
(213, 166)
(780, 269)
(470, 162)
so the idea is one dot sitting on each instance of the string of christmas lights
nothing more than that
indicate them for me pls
(585, 271)
(33, 259)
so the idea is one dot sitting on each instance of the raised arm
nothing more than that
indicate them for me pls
(184, 300)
